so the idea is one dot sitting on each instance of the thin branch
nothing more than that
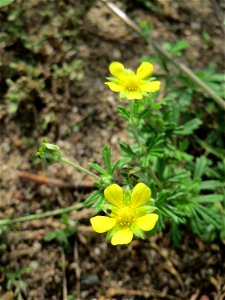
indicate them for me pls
(139, 293)
(78, 167)
(183, 68)
(47, 214)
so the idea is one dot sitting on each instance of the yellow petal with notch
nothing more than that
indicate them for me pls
(121, 237)
(145, 70)
(114, 195)
(140, 195)
(114, 87)
(117, 69)
(151, 87)
(102, 224)
(147, 222)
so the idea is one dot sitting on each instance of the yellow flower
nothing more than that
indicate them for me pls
(129, 214)
(132, 85)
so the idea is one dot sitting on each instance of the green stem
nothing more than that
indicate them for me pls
(153, 175)
(209, 149)
(77, 167)
(134, 128)
(47, 214)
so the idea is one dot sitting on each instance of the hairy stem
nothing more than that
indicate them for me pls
(153, 175)
(77, 167)
(134, 128)
(46, 214)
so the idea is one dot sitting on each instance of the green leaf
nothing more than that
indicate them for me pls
(176, 48)
(126, 149)
(218, 77)
(177, 195)
(161, 166)
(107, 159)
(62, 238)
(153, 189)
(174, 213)
(99, 203)
(162, 198)
(65, 219)
(157, 152)
(179, 46)
(145, 113)
(201, 163)
(189, 127)
(69, 229)
(196, 223)
(123, 112)
(51, 235)
(175, 234)
(222, 233)
(178, 177)
(5, 2)
(211, 185)
(120, 164)
(97, 167)
(92, 197)
(209, 216)
(208, 198)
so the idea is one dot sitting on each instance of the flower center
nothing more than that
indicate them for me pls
(131, 83)
(125, 217)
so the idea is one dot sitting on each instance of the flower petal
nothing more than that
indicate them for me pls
(114, 87)
(145, 70)
(140, 195)
(152, 86)
(122, 236)
(114, 195)
(133, 95)
(117, 69)
(102, 224)
(147, 222)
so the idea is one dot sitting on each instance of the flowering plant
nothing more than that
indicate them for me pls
(161, 182)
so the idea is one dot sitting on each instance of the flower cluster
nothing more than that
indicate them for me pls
(132, 85)
(128, 214)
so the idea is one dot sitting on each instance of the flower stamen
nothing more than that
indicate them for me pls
(131, 83)
(125, 217)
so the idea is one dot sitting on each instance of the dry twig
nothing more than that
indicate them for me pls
(53, 181)
(145, 294)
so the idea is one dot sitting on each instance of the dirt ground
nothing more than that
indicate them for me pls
(84, 118)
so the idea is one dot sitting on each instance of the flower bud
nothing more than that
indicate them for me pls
(105, 181)
(49, 153)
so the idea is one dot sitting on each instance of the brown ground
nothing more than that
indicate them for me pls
(82, 123)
